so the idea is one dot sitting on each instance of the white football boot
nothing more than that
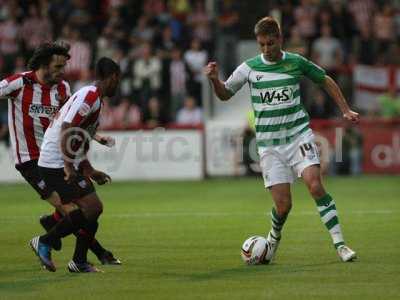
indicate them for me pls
(274, 244)
(346, 254)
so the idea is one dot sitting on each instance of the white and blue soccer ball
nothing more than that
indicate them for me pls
(256, 251)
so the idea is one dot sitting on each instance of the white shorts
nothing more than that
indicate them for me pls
(284, 163)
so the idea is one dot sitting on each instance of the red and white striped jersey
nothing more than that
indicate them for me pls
(31, 107)
(81, 110)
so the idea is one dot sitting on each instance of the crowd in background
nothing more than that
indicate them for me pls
(163, 45)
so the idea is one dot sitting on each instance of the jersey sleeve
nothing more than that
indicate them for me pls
(10, 86)
(67, 90)
(312, 71)
(238, 78)
(81, 108)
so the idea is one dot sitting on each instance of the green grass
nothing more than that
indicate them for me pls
(181, 240)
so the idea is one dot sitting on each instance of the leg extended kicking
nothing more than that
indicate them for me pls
(327, 211)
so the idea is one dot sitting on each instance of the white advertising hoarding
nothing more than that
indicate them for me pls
(138, 155)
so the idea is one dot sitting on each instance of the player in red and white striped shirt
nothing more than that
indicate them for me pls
(33, 99)
(65, 168)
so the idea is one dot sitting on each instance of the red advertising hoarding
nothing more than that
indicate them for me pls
(379, 142)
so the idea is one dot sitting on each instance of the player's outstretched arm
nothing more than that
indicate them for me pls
(334, 91)
(98, 176)
(108, 141)
(211, 71)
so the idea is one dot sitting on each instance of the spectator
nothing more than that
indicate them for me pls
(351, 152)
(153, 115)
(165, 43)
(85, 79)
(178, 77)
(327, 51)
(200, 24)
(196, 59)
(20, 64)
(146, 75)
(305, 16)
(127, 114)
(342, 24)
(179, 8)
(389, 104)
(80, 16)
(320, 108)
(365, 49)
(107, 119)
(393, 54)
(362, 11)
(228, 24)
(384, 27)
(295, 43)
(142, 33)
(105, 43)
(35, 29)
(9, 32)
(81, 54)
(190, 114)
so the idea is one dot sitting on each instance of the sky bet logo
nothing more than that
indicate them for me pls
(44, 111)
(277, 96)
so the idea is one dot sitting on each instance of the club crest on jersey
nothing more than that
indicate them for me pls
(84, 109)
(59, 98)
(43, 111)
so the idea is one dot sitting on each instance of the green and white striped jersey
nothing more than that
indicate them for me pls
(275, 95)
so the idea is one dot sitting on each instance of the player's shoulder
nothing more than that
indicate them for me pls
(294, 57)
(88, 93)
(22, 77)
(254, 62)
(64, 84)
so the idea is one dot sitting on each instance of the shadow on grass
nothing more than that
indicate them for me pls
(23, 285)
(244, 271)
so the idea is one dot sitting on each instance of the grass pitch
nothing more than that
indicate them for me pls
(181, 240)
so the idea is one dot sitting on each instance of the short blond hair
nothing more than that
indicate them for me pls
(267, 26)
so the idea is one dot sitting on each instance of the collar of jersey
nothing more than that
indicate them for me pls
(267, 62)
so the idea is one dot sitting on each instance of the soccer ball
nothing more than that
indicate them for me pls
(256, 251)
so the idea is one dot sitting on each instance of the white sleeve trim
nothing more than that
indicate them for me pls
(238, 78)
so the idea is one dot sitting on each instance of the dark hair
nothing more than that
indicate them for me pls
(105, 67)
(267, 26)
(44, 53)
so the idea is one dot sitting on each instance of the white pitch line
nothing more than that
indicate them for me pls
(212, 214)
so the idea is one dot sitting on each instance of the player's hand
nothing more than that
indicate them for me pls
(108, 141)
(70, 173)
(351, 116)
(211, 70)
(100, 177)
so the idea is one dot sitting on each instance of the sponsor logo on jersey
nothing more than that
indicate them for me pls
(277, 96)
(43, 111)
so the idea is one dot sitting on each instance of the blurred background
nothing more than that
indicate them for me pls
(162, 47)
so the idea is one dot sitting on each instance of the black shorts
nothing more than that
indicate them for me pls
(30, 171)
(68, 192)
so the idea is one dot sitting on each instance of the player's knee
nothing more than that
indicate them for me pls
(283, 205)
(315, 188)
(95, 210)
